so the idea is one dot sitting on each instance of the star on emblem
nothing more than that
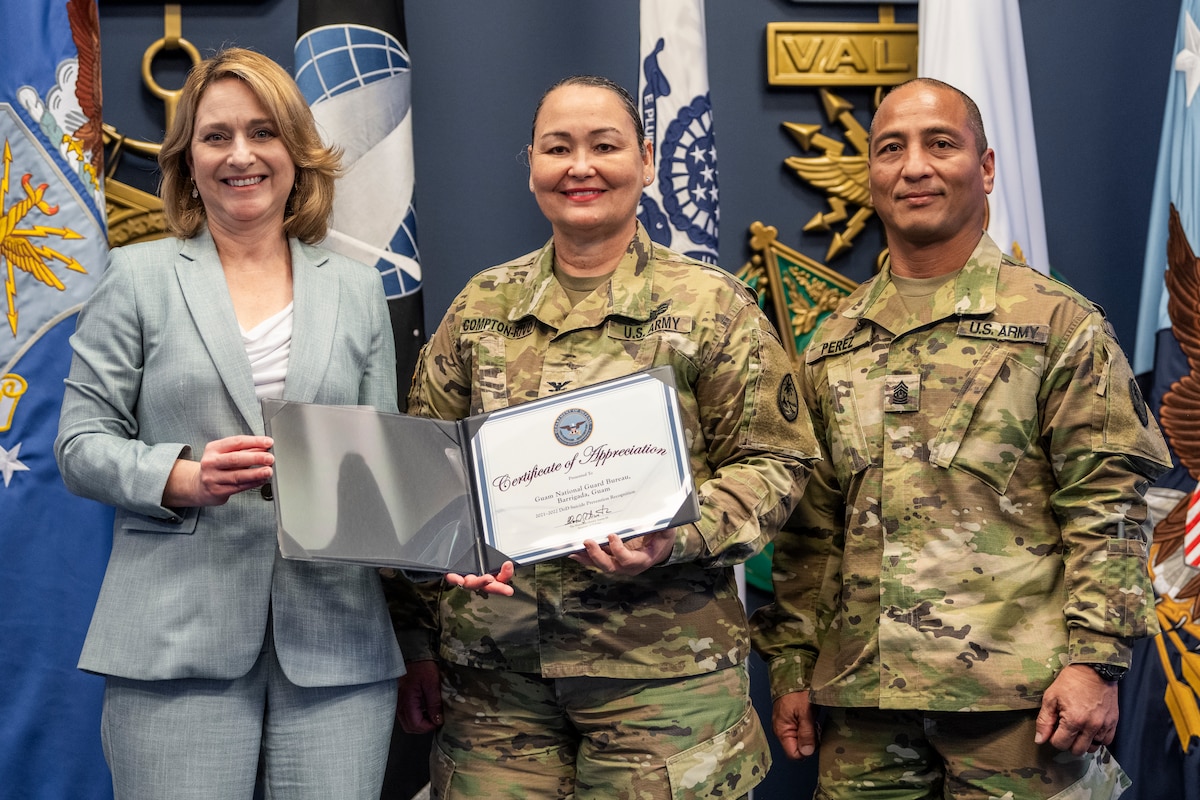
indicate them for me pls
(1187, 60)
(10, 464)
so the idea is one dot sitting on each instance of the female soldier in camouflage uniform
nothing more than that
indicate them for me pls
(618, 671)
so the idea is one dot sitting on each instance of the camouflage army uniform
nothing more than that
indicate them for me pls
(512, 336)
(975, 525)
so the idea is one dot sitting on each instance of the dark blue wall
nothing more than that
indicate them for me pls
(1098, 76)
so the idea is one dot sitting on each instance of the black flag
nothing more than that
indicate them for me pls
(353, 66)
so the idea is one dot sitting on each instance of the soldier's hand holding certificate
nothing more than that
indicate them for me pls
(525, 483)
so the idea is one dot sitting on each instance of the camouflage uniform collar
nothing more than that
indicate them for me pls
(974, 290)
(631, 294)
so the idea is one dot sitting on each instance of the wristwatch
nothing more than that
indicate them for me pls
(1109, 672)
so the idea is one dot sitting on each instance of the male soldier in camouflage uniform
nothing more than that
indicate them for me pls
(960, 583)
(618, 672)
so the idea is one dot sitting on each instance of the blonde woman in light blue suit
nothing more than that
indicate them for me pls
(215, 650)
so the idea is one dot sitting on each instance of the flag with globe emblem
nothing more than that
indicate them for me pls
(680, 208)
(53, 546)
(352, 64)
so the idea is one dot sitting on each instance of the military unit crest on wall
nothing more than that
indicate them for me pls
(797, 290)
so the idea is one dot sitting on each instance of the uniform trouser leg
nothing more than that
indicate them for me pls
(868, 753)
(516, 735)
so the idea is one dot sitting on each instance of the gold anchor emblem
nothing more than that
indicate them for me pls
(135, 215)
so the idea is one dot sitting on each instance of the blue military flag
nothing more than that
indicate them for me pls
(680, 209)
(1176, 183)
(53, 546)
(1158, 738)
(352, 63)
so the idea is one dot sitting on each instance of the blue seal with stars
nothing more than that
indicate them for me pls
(687, 173)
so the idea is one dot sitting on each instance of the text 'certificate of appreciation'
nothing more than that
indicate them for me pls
(607, 459)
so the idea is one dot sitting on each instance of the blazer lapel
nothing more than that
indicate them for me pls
(314, 320)
(202, 282)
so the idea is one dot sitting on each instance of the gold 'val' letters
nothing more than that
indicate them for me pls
(880, 53)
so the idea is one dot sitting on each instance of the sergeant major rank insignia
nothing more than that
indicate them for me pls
(902, 392)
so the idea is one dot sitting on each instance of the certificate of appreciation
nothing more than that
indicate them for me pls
(525, 483)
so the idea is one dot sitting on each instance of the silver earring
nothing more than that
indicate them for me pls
(195, 192)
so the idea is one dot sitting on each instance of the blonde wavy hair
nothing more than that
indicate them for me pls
(317, 165)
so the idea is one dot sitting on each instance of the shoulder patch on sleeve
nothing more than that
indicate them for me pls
(789, 398)
(1139, 403)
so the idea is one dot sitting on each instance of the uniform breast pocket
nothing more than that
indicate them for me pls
(849, 450)
(988, 429)
(665, 348)
(489, 373)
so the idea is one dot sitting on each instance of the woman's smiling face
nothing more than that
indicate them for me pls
(241, 166)
(587, 167)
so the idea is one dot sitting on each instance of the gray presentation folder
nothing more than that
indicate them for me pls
(355, 485)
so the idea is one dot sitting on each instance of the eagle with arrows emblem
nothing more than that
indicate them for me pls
(1175, 552)
(842, 177)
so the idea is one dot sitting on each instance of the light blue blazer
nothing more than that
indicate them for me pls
(159, 370)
